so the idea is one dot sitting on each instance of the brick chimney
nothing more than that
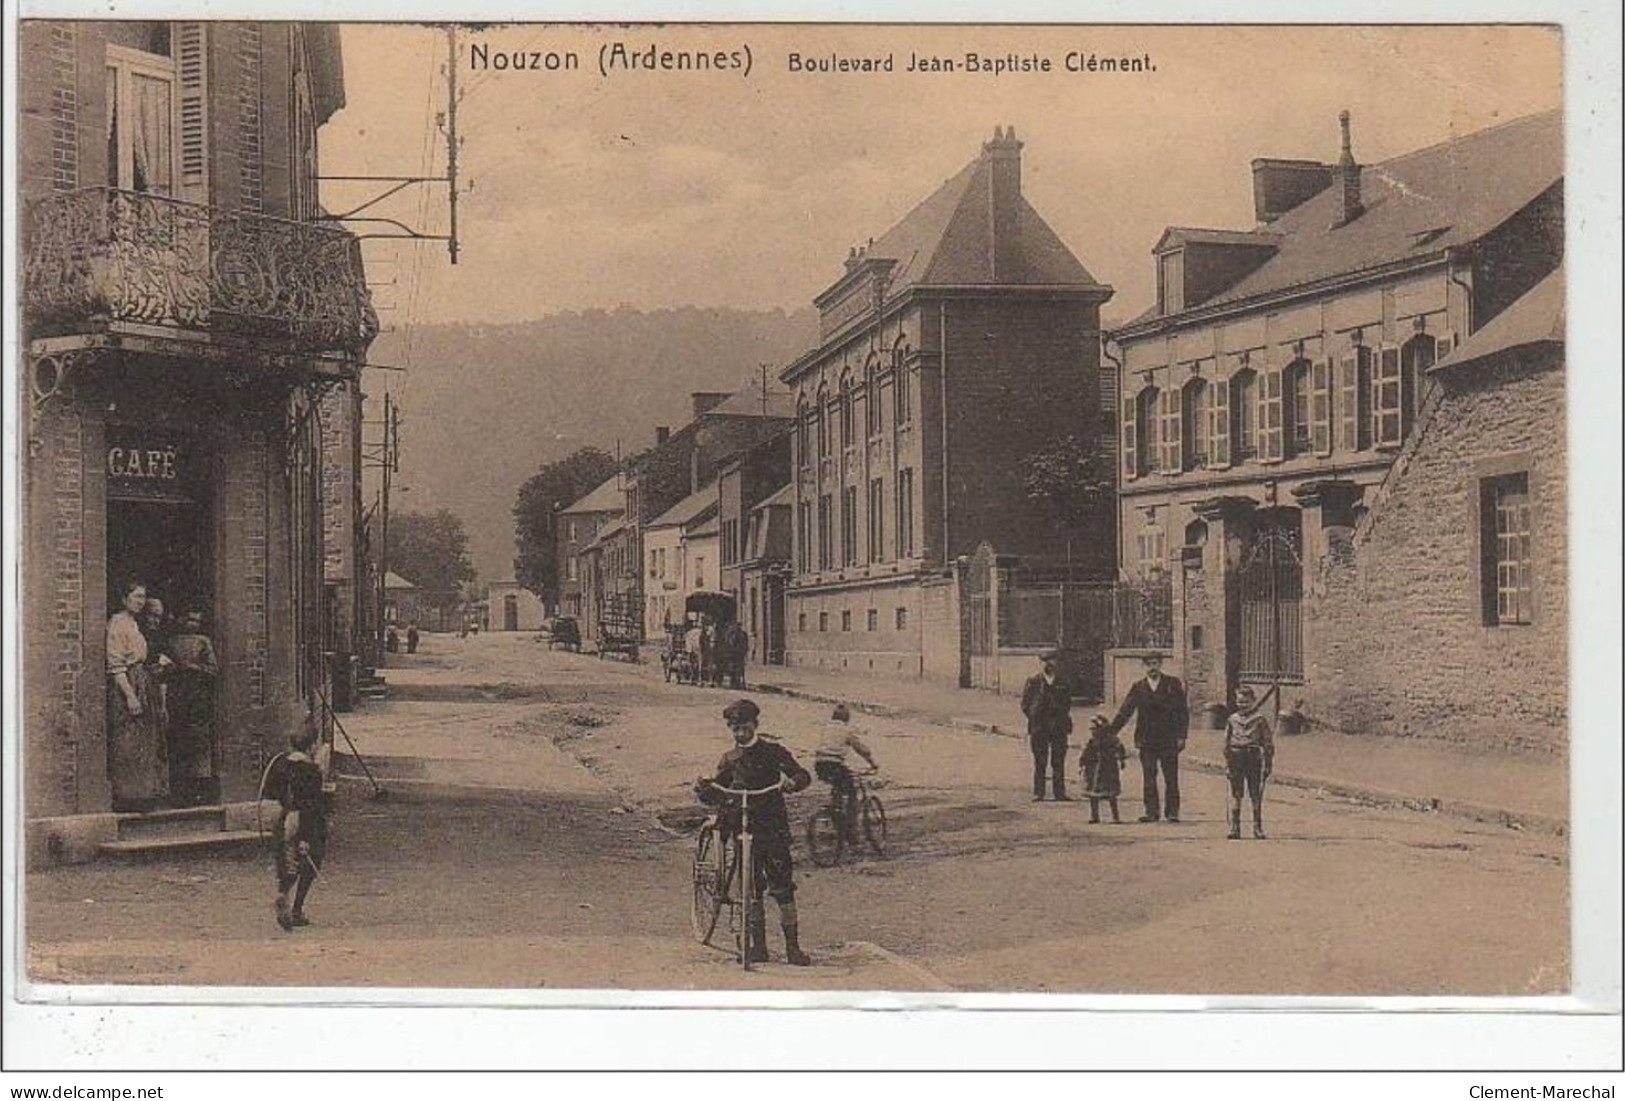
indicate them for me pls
(705, 401)
(1283, 185)
(662, 434)
(1003, 156)
(1348, 174)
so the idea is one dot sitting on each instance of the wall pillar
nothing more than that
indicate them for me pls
(1228, 520)
(1328, 540)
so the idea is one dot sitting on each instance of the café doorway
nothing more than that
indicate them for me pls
(165, 546)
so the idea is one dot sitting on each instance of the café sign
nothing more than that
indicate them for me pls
(149, 466)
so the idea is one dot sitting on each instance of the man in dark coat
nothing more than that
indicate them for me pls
(1162, 720)
(1046, 700)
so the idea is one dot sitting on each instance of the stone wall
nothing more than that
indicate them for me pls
(1404, 646)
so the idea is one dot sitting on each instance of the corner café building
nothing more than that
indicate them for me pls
(177, 348)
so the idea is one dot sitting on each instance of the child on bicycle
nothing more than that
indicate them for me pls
(759, 762)
(1249, 756)
(829, 764)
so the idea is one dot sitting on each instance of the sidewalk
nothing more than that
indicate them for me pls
(1521, 792)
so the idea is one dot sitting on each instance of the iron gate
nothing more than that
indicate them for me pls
(980, 622)
(1270, 583)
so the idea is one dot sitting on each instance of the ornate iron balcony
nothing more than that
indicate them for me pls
(101, 255)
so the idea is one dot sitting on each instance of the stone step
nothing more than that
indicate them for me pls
(182, 844)
(171, 823)
(379, 693)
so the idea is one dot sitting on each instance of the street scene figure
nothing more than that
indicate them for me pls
(736, 645)
(412, 638)
(830, 765)
(294, 781)
(1046, 700)
(137, 756)
(392, 640)
(1249, 757)
(758, 762)
(193, 768)
(1101, 767)
(1156, 702)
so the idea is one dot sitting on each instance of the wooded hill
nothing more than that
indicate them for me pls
(484, 405)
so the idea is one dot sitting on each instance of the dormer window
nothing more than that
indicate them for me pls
(1171, 282)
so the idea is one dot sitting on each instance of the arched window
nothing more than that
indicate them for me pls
(1146, 409)
(1197, 413)
(871, 397)
(804, 417)
(847, 398)
(1295, 379)
(902, 397)
(1244, 414)
(822, 413)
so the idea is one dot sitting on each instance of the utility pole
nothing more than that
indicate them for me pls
(390, 464)
(452, 140)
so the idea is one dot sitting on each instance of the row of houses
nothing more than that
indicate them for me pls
(1338, 439)
(194, 337)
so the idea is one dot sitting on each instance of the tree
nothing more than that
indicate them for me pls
(535, 514)
(1076, 485)
(431, 551)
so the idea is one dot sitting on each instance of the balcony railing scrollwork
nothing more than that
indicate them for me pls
(100, 254)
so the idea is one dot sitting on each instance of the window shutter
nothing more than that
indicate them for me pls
(1130, 441)
(1270, 426)
(1444, 344)
(1387, 399)
(192, 54)
(1348, 400)
(1218, 425)
(1320, 406)
(1169, 435)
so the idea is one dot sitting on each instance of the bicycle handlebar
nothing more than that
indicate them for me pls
(746, 791)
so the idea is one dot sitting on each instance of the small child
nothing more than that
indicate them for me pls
(294, 780)
(1101, 766)
(1249, 755)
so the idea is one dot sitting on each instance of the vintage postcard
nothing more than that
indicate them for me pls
(784, 514)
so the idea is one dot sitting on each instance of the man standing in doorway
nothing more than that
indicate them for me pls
(1046, 700)
(1162, 721)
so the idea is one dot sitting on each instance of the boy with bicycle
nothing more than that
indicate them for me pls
(829, 764)
(756, 762)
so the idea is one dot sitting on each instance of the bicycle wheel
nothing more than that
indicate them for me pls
(710, 883)
(824, 837)
(874, 824)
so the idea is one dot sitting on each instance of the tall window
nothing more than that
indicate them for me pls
(804, 419)
(902, 398)
(1170, 441)
(826, 544)
(822, 413)
(877, 520)
(1419, 353)
(871, 400)
(1271, 418)
(905, 513)
(1194, 425)
(849, 526)
(1244, 415)
(1508, 563)
(1354, 399)
(1140, 433)
(140, 121)
(1218, 422)
(847, 397)
(1387, 399)
(804, 559)
(1150, 551)
(1295, 401)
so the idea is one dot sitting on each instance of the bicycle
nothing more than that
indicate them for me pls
(722, 864)
(827, 829)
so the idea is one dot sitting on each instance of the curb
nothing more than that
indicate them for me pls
(1451, 808)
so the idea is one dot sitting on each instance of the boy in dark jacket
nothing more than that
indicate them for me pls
(753, 763)
(295, 781)
(1249, 757)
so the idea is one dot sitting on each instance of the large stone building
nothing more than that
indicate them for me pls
(951, 350)
(194, 334)
(1272, 395)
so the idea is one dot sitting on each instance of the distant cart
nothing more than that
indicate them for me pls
(620, 627)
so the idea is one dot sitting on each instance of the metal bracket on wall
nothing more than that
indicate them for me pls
(48, 374)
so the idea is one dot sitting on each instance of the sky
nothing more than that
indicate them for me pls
(719, 188)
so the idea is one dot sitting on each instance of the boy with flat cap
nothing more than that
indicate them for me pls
(756, 762)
